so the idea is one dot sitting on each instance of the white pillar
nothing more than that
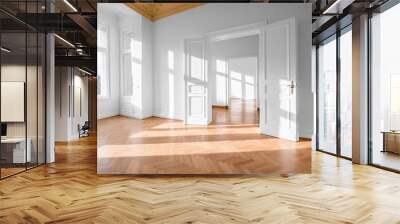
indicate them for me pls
(50, 100)
(314, 93)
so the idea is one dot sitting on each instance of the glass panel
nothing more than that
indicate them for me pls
(385, 84)
(327, 96)
(346, 94)
(196, 61)
(13, 88)
(41, 98)
(22, 91)
(31, 99)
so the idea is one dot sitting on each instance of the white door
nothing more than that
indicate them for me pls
(278, 109)
(197, 102)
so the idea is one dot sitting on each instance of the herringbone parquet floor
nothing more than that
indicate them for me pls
(70, 191)
(232, 144)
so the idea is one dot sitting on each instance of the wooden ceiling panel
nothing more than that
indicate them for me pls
(156, 11)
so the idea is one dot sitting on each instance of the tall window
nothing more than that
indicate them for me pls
(327, 95)
(131, 64)
(385, 89)
(127, 76)
(103, 79)
(335, 94)
(346, 92)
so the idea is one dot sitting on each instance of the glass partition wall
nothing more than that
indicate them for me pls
(22, 66)
(334, 93)
(385, 89)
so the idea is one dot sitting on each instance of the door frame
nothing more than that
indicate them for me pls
(227, 34)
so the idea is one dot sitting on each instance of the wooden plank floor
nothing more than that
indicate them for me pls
(232, 144)
(70, 191)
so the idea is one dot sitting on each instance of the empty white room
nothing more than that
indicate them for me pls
(181, 95)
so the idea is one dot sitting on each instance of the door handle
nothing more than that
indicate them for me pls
(292, 86)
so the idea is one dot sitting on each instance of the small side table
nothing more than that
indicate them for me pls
(391, 141)
(14, 150)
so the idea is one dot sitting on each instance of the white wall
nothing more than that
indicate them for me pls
(66, 121)
(147, 75)
(170, 32)
(62, 82)
(222, 52)
(243, 77)
(233, 48)
(17, 72)
(79, 117)
(108, 107)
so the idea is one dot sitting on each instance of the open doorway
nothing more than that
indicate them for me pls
(277, 68)
(75, 88)
(234, 81)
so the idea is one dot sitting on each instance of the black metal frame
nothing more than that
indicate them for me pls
(369, 90)
(337, 35)
(0, 89)
(338, 98)
(44, 80)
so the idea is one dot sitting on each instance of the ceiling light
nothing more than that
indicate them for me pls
(5, 50)
(84, 71)
(70, 5)
(64, 40)
(326, 11)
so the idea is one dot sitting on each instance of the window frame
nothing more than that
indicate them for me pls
(371, 14)
(124, 50)
(333, 37)
(107, 54)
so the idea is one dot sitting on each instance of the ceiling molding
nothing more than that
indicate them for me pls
(156, 11)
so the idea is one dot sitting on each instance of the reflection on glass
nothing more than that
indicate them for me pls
(31, 99)
(385, 84)
(346, 94)
(327, 96)
(41, 99)
(14, 153)
(22, 91)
